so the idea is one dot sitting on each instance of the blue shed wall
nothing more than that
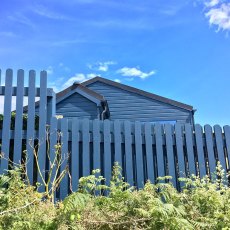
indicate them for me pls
(125, 105)
(77, 106)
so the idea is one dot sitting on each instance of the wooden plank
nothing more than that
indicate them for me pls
(220, 146)
(180, 151)
(64, 157)
(210, 148)
(30, 126)
(6, 120)
(128, 153)
(75, 165)
(200, 150)
(149, 152)
(227, 141)
(117, 140)
(96, 145)
(139, 155)
(190, 150)
(42, 128)
(159, 150)
(53, 151)
(107, 152)
(170, 153)
(85, 143)
(19, 118)
(51, 106)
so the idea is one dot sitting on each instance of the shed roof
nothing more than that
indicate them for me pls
(138, 91)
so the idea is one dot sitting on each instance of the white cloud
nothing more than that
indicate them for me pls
(135, 72)
(212, 3)
(79, 77)
(220, 16)
(50, 70)
(117, 80)
(101, 66)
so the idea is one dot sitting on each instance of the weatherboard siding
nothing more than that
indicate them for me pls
(125, 105)
(77, 106)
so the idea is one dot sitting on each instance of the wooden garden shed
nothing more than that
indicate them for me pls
(105, 99)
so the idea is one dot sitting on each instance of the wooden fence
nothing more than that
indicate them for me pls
(144, 150)
(24, 139)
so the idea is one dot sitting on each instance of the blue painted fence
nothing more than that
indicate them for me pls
(144, 150)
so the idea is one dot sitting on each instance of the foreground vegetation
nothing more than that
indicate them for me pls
(202, 204)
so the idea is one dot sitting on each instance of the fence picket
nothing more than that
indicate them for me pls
(86, 151)
(227, 141)
(128, 153)
(75, 164)
(19, 118)
(64, 157)
(42, 128)
(149, 152)
(53, 150)
(96, 145)
(210, 149)
(107, 152)
(117, 140)
(30, 126)
(200, 150)
(170, 153)
(190, 150)
(6, 120)
(139, 155)
(220, 145)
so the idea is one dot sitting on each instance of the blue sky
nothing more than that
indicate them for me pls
(178, 49)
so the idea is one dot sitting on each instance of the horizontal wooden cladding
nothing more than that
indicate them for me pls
(125, 105)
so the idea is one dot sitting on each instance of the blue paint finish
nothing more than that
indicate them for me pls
(64, 156)
(190, 151)
(200, 150)
(170, 153)
(139, 155)
(124, 105)
(6, 120)
(107, 152)
(77, 106)
(18, 118)
(149, 152)
(96, 145)
(117, 140)
(42, 128)
(220, 146)
(128, 153)
(86, 151)
(210, 148)
(227, 141)
(75, 164)
(159, 149)
(30, 126)
(52, 149)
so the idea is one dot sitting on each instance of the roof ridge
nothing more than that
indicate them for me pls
(139, 91)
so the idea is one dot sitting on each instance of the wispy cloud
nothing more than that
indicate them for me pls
(22, 19)
(212, 3)
(79, 77)
(47, 13)
(135, 72)
(101, 66)
(50, 70)
(8, 34)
